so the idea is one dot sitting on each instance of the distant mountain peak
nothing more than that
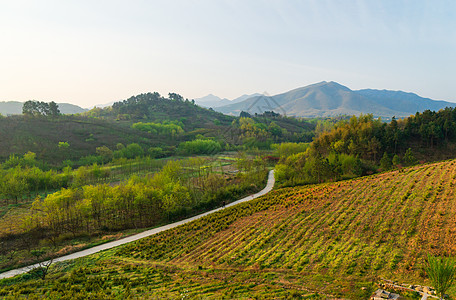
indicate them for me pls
(213, 101)
(325, 98)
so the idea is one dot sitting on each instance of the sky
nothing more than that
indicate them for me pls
(99, 51)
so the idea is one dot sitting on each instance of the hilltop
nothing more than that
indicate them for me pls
(150, 120)
(326, 240)
(326, 99)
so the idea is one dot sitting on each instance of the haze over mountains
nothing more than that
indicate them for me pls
(15, 108)
(323, 99)
(214, 101)
(326, 99)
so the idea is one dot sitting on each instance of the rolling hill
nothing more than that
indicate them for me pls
(104, 127)
(15, 108)
(42, 135)
(330, 240)
(326, 99)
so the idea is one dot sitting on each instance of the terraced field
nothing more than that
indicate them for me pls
(316, 241)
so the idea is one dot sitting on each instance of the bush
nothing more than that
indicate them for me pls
(156, 152)
(287, 149)
(200, 146)
(131, 151)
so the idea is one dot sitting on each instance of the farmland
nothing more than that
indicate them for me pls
(205, 181)
(313, 241)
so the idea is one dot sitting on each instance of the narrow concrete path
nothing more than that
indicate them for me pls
(141, 235)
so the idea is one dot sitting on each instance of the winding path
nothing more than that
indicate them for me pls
(141, 235)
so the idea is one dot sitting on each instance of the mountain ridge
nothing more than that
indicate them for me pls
(327, 99)
(213, 101)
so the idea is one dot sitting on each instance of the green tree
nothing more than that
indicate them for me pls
(288, 149)
(14, 184)
(175, 97)
(40, 108)
(441, 272)
(53, 109)
(199, 146)
(63, 145)
(156, 152)
(385, 162)
(396, 160)
(133, 150)
(409, 158)
(30, 108)
(104, 152)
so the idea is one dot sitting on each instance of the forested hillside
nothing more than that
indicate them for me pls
(157, 124)
(364, 145)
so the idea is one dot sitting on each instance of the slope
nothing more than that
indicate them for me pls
(153, 107)
(214, 101)
(106, 127)
(402, 101)
(42, 135)
(331, 99)
(330, 238)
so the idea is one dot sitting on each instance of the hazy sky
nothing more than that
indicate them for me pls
(92, 52)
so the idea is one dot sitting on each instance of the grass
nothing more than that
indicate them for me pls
(328, 240)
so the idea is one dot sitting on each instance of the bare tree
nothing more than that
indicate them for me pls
(42, 268)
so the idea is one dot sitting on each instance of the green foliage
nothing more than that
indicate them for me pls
(409, 158)
(200, 146)
(441, 272)
(21, 134)
(131, 151)
(260, 131)
(39, 108)
(169, 128)
(396, 160)
(91, 159)
(365, 138)
(336, 239)
(105, 152)
(27, 160)
(385, 162)
(156, 152)
(173, 192)
(64, 145)
(288, 149)
(23, 179)
(309, 167)
(159, 111)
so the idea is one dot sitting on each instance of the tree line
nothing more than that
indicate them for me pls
(180, 188)
(364, 145)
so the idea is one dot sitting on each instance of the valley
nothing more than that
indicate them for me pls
(356, 200)
(321, 240)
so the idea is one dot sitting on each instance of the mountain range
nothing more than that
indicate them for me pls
(214, 101)
(327, 99)
(323, 99)
(15, 108)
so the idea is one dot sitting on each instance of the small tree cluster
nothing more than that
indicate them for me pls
(40, 108)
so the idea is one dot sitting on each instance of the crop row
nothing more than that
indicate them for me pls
(379, 224)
